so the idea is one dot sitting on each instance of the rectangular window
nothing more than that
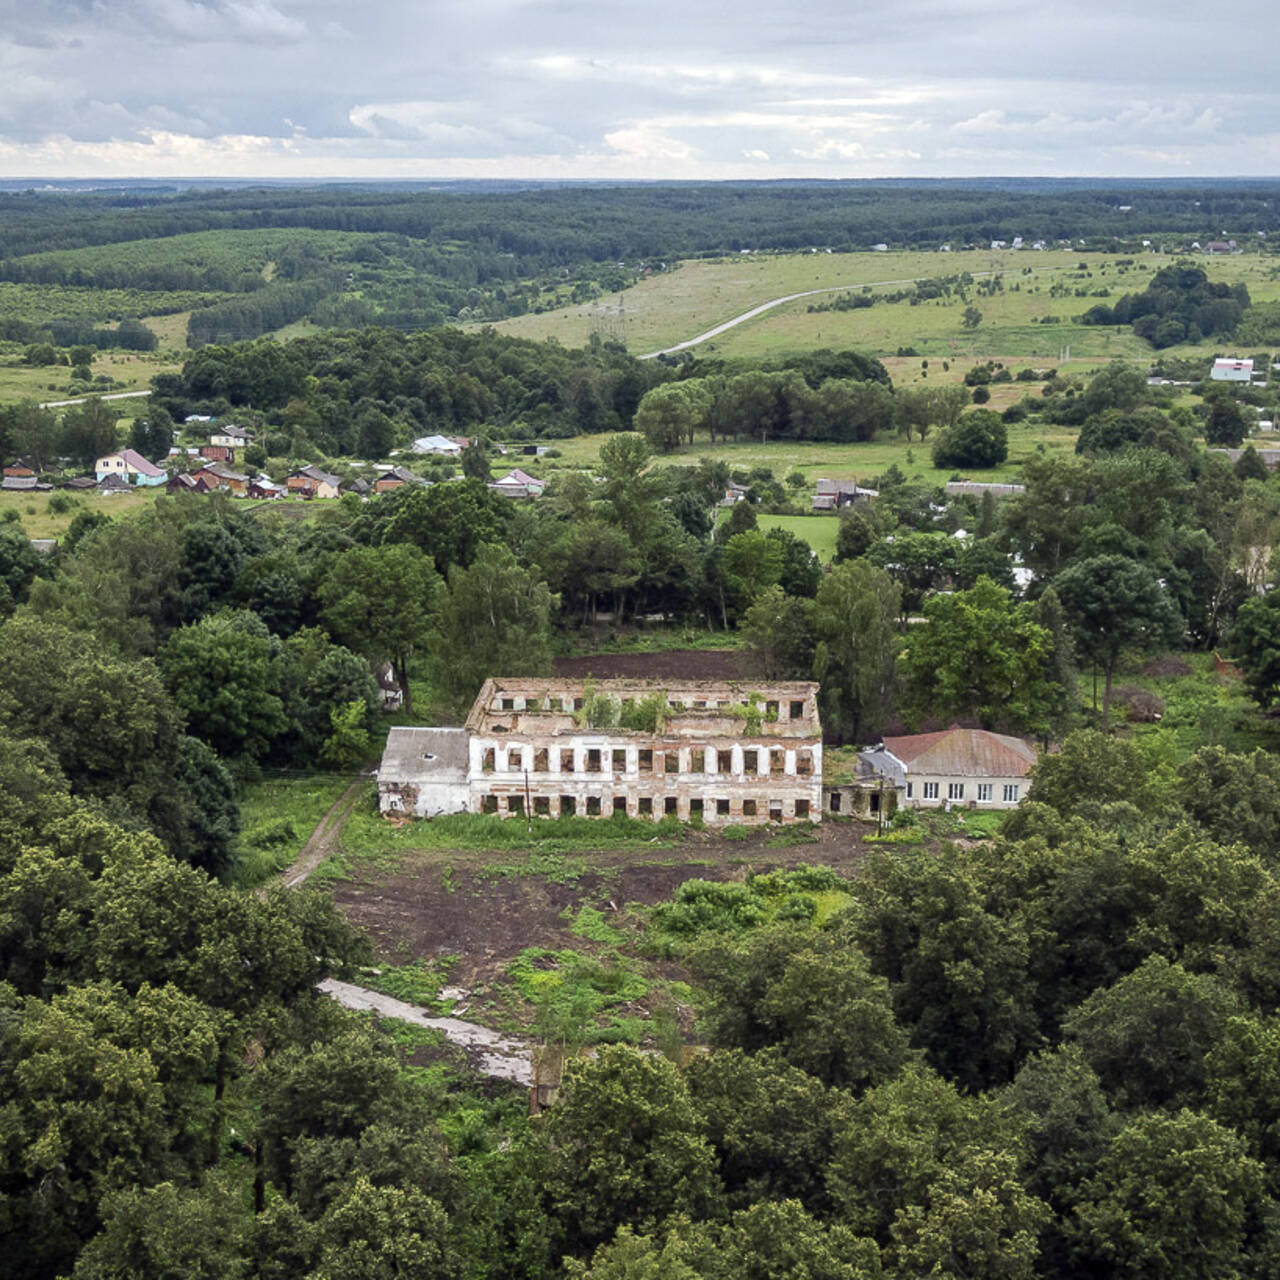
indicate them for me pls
(566, 760)
(577, 704)
(698, 760)
(775, 810)
(722, 808)
(593, 806)
(751, 760)
(646, 759)
(486, 761)
(797, 710)
(695, 809)
(802, 808)
(1011, 793)
(542, 806)
(568, 806)
(771, 710)
(955, 790)
(620, 805)
(515, 760)
(645, 807)
(671, 762)
(669, 805)
(724, 761)
(777, 761)
(748, 808)
(804, 763)
(515, 804)
(619, 759)
(593, 760)
(540, 760)
(930, 790)
(984, 791)
(508, 704)
(909, 790)
(553, 704)
(835, 801)
(489, 805)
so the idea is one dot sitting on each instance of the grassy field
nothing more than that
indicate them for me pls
(679, 304)
(277, 817)
(831, 461)
(128, 370)
(818, 531)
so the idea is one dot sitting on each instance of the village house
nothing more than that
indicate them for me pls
(311, 482)
(395, 478)
(707, 750)
(230, 437)
(831, 495)
(439, 446)
(1231, 369)
(976, 488)
(20, 468)
(217, 453)
(518, 484)
(130, 466)
(189, 482)
(953, 768)
(217, 475)
(264, 487)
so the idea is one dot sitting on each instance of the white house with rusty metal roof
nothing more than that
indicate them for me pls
(965, 768)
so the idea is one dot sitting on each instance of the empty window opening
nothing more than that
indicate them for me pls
(566, 762)
(542, 806)
(671, 762)
(751, 760)
(645, 806)
(910, 790)
(748, 808)
(487, 760)
(541, 760)
(577, 704)
(646, 759)
(508, 704)
(875, 802)
(802, 808)
(695, 809)
(620, 805)
(515, 804)
(669, 805)
(724, 761)
(771, 710)
(619, 759)
(490, 804)
(698, 760)
(797, 710)
(835, 802)
(554, 704)
(568, 806)
(775, 810)
(722, 808)
(593, 760)
(777, 761)
(593, 806)
(804, 764)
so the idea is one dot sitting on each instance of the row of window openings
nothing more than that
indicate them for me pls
(575, 704)
(955, 791)
(646, 806)
(700, 762)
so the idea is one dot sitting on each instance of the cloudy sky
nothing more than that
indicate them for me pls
(660, 89)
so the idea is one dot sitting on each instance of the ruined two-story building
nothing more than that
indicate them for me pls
(723, 752)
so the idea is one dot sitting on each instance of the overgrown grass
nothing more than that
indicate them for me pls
(277, 817)
(417, 983)
(807, 894)
(538, 846)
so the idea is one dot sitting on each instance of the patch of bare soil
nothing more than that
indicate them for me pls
(440, 903)
(669, 664)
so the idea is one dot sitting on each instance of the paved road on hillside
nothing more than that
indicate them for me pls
(115, 395)
(808, 293)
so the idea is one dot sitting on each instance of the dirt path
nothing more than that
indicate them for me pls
(323, 839)
(499, 1056)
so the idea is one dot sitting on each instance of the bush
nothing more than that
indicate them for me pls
(979, 439)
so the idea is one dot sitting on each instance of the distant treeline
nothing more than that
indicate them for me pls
(569, 225)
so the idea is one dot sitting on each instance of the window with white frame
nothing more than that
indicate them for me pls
(930, 790)
(955, 790)
(984, 791)
(1011, 793)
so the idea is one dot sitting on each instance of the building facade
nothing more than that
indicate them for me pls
(711, 750)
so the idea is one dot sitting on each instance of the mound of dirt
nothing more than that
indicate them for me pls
(668, 664)
(1170, 665)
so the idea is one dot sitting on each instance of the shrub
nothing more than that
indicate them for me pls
(978, 439)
